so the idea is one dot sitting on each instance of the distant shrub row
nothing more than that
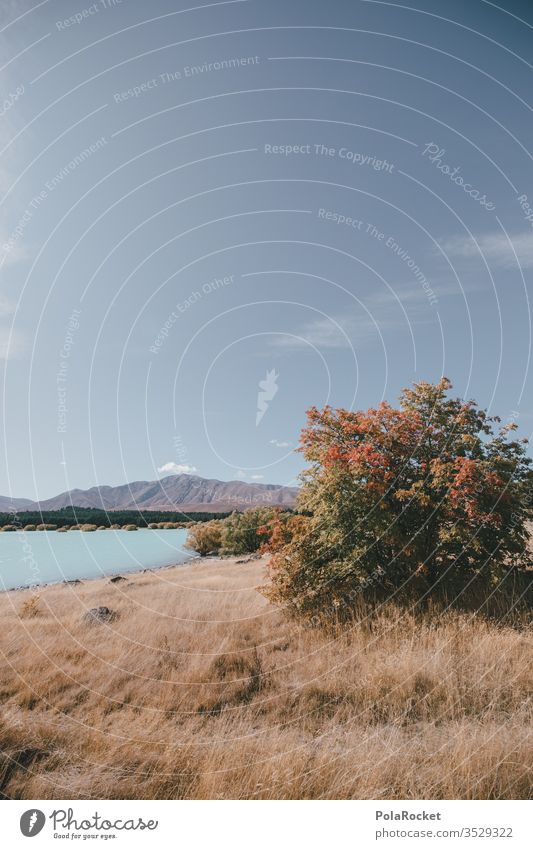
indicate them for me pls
(75, 517)
(46, 526)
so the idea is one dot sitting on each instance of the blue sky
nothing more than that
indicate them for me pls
(216, 215)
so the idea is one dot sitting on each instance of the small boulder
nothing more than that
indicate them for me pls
(116, 578)
(100, 614)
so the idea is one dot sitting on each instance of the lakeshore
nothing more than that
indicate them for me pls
(195, 686)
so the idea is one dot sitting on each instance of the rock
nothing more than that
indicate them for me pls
(73, 581)
(116, 578)
(100, 614)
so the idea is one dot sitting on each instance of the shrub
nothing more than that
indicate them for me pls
(237, 534)
(418, 498)
(244, 533)
(205, 537)
(30, 608)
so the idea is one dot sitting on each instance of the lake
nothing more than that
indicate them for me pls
(43, 557)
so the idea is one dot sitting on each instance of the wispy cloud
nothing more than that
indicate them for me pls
(256, 477)
(12, 343)
(335, 332)
(496, 247)
(6, 306)
(388, 310)
(322, 333)
(10, 253)
(177, 469)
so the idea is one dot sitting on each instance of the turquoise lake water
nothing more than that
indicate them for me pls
(43, 557)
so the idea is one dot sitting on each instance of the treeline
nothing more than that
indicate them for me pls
(69, 516)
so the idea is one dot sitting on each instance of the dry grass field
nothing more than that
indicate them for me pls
(199, 688)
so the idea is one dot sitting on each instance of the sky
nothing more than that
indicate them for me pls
(216, 215)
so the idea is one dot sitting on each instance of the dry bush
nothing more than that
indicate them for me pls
(202, 689)
(30, 607)
(205, 537)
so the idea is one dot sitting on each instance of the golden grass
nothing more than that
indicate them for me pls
(202, 689)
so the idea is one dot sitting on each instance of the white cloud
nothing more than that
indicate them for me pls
(177, 469)
(279, 444)
(257, 477)
(240, 474)
(496, 247)
(12, 343)
(6, 307)
(16, 251)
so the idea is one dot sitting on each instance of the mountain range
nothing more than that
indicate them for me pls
(189, 493)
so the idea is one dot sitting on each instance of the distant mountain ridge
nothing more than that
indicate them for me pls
(183, 492)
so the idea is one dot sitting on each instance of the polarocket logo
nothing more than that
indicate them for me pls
(32, 822)
(268, 388)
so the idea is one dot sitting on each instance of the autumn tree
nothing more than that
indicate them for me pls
(429, 493)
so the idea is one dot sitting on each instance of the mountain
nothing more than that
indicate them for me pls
(182, 492)
(11, 505)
